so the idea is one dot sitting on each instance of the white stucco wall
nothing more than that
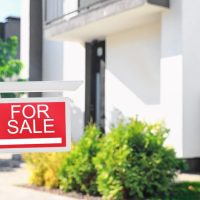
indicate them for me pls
(52, 68)
(153, 71)
(180, 85)
(66, 61)
(191, 78)
(171, 65)
(133, 74)
(74, 69)
(53, 53)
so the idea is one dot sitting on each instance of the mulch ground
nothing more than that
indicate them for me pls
(60, 192)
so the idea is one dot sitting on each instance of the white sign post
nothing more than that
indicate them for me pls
(39, 86)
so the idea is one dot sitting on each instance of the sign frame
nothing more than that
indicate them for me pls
(67, 124)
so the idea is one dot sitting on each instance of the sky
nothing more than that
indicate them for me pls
(9, 8)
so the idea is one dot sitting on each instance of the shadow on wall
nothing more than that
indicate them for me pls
(134, 62)
(144, 87)
(77, 122)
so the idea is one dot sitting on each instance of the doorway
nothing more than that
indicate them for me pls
(95, 84)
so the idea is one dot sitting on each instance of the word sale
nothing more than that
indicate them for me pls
(33, 119)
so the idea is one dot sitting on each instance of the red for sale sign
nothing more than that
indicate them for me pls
(34, 124)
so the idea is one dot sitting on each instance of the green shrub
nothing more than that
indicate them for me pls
(133, 162)
(36, 166)
(10, 66)
(44, 168)
(78, 172)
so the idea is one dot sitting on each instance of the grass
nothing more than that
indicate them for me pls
(186, 191)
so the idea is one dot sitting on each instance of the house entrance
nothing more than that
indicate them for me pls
(95, 83)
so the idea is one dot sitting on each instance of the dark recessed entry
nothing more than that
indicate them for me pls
(95, 83)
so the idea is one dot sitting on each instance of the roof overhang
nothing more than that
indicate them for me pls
(104, 21)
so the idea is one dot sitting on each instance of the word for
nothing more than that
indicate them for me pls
(33, 119)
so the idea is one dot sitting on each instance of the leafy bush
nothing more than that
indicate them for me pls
(78, 172)
(44, 168)
(10, 67)
(133, 162)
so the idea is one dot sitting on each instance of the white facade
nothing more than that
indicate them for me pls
(152, 71)
(133, 73)
(65, 61)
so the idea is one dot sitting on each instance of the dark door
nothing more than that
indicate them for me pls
(95, 83)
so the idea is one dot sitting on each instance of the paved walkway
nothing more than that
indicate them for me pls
(11, 178)
(188, 177)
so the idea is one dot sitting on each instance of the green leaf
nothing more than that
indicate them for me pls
(10, 67)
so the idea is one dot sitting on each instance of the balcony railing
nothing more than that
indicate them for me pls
(59, 9)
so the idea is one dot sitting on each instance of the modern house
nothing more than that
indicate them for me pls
(136, 57)
(11, 27)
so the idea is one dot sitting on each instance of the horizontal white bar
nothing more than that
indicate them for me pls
(39, 86)
(31, 141)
